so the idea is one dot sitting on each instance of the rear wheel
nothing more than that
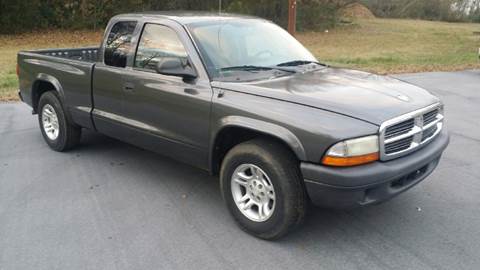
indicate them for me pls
(59, 133)
(262, 187)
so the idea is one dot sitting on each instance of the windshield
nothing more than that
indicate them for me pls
(228, 45)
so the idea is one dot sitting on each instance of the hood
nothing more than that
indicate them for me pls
(369, 97)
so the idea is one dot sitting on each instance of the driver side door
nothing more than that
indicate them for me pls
(168, 114)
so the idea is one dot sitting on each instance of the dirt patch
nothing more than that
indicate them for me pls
(9, 99)
(356, 11)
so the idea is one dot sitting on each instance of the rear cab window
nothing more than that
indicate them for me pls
(119, 44)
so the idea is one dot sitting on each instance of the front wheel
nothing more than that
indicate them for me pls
(262, 187)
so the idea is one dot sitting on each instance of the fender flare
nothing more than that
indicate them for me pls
(260, 126)
(42, 77)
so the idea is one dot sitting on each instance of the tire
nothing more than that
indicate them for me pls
(59, 133)
(279, 169)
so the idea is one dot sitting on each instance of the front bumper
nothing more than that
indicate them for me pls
(372, 183)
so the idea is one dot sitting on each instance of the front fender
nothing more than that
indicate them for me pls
(266, 128)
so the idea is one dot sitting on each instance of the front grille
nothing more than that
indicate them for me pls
(429, 132)
(430, 117)
(399, 145)
(406, 133)
(400, 128)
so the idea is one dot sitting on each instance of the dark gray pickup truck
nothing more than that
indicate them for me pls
(239, 97)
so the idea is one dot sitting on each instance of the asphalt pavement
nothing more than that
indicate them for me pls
(109, 205)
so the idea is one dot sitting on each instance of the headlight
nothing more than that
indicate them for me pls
(353, 152)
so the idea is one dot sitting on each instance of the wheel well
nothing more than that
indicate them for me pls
(40, 87)
(229, 137)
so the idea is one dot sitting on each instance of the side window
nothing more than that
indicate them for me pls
(119, 44)
(158, 43)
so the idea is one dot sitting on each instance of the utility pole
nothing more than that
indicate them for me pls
(292, 16)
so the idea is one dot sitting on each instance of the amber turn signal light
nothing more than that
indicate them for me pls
(350, 161)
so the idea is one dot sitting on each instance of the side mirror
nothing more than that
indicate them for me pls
(175, 66)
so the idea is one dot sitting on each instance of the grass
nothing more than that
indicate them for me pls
(11, 44)
(380, 45)
(397, 46)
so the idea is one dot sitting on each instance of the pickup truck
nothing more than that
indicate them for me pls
(241, 98)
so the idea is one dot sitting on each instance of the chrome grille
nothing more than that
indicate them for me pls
(430, 117)
(429, 132)
(400, 128)
(399, 145)
(404, 134)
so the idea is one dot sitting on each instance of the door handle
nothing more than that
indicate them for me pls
(128, 87)
(191, 91)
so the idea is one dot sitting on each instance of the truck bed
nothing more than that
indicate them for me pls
(87, 54)
(69, 71)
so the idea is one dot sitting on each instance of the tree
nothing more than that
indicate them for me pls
(94, 14)
(443, 10)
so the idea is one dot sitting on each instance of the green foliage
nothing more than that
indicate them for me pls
(474, 15)
(438, 10)
(276, 11)
(26, 15)
(313, 15)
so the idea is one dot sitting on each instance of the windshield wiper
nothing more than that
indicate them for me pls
(254, 68)
(298, 63)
